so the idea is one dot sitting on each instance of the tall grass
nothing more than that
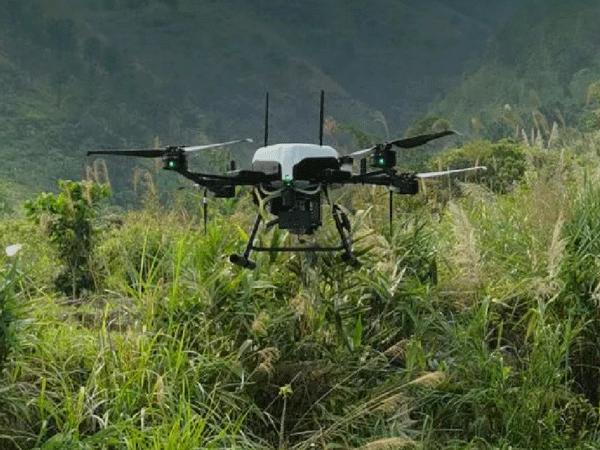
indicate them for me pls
(472, 325)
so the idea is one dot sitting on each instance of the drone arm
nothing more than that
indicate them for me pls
(404, 183)
(232, 179)
(219, 187)
(365, 177)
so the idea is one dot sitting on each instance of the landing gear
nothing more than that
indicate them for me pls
(351, 260)
(341, 222)
(243, 260)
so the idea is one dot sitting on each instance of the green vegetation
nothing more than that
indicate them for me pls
(473, 325)
(540, 69)
(8, 309)
(77, 75)
(68, 219)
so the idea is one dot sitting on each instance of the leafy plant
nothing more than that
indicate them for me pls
(7, 311)
(505, 162)
(69, 221)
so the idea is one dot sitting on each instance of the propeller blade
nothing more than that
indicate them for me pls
(447, 172)
(361, 153)
(196, 148)
(156, 152)
(415, 141)
(410, 142)
(143, 152)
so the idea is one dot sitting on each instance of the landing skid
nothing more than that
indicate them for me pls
(341, 223)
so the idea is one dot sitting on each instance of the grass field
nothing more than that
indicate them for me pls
(474, 325)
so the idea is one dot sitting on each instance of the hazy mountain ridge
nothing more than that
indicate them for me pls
(395, 77)
(543, 60)
(122, 73)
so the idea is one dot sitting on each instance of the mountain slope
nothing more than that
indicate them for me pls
(122, 73)
(542, 61)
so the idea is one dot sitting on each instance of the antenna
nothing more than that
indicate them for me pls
(205, 209)
(267, 120)
(391, 211)
(322, 118)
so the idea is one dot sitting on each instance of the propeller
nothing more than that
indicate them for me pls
(143, 152)
(410, 142)
(157, 152)
(447, 172)
(222, 144)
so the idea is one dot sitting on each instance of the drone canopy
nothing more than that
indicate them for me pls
(289, 155)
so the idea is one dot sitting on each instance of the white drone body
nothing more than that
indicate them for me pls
(288, 161)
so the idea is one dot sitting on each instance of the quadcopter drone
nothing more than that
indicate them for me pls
(291, 180)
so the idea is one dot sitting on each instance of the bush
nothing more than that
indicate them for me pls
(505, 162)
(68, 219)
(7, 312)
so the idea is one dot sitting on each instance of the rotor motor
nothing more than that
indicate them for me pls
(174, 159)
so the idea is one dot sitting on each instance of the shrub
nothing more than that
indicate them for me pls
(505, 162)
(7, 310)
(68, 219)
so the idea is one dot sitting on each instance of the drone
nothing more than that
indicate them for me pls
(291, 179)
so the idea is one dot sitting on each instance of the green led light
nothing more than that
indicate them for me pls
(287, 180)
(381, 161)
(172, 164)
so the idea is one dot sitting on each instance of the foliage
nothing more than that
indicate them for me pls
(590, 120)
(542, 62)
(505, 162)
(8, 309)
(69, 221)
(473, 326)
(579, 273)
(6, 208)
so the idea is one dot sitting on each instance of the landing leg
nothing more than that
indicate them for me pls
(341, 222)
(243, 260)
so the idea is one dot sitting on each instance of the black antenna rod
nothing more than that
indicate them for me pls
(391, 211)
(267, 120)
(322, 117)
(205, 209)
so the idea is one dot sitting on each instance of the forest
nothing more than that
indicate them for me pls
(473, 323)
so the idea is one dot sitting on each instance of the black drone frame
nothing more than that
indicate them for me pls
(383, 159)
(174, 159)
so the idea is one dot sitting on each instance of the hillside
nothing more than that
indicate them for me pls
(116, 73)
(538, 69)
